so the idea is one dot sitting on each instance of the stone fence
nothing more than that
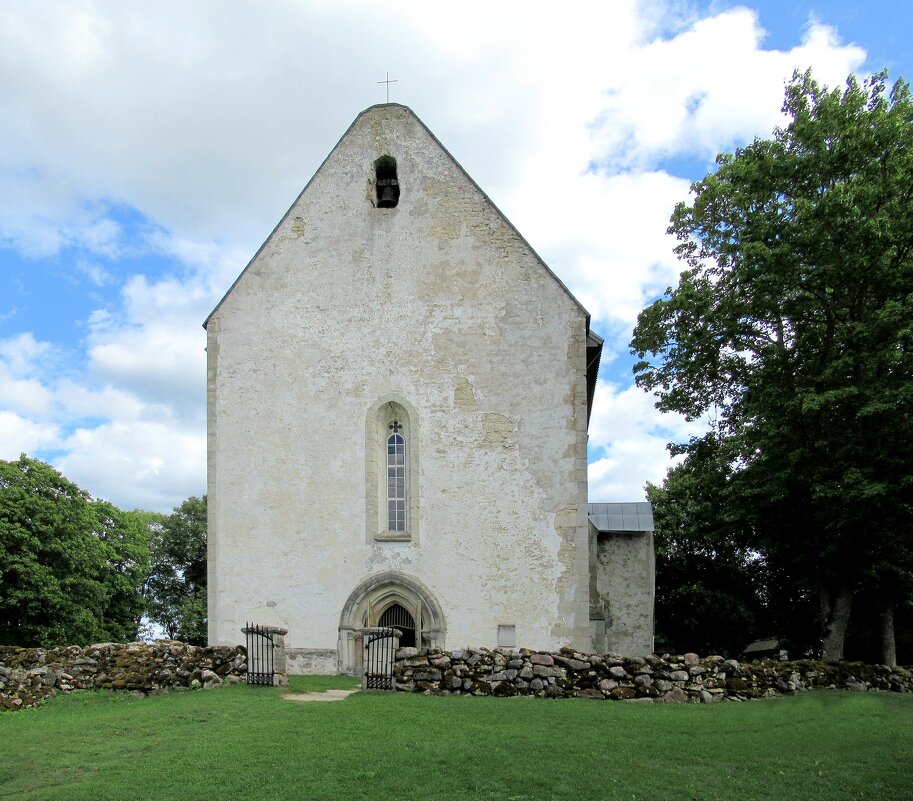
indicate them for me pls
(28, 675)
(653, 679)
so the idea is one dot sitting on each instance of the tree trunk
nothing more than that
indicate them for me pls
(835, 609)
(888, 648)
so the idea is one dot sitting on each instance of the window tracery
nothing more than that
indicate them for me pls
(396, 478)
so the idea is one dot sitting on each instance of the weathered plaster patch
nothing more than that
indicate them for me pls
(379, 133)
(389, 556)
(499, 430)
(568, 581)
(448, 212)
(419, 209)
(464, 398)
(442, 280)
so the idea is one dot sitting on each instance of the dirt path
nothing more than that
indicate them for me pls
(328, 695)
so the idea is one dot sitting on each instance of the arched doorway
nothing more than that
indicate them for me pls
(389, 598)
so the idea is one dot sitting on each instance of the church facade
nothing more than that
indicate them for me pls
(398, 397)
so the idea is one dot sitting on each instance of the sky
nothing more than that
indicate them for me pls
(148, 149)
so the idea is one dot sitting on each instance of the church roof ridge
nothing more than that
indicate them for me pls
(387, 105)
(497, 210)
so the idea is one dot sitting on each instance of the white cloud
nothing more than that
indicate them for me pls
(626, 424)
(41, 213)
(21, 390)
(22, 353)
(94, 272)
(170, 109)
(20, 435)
(156, 362)
(606, 235)
(153, 344)
(141, 442)
(25, 395)
(709, 87)
(80, 402)
(145, 465)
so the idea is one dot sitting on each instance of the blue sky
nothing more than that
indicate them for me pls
(147, 150)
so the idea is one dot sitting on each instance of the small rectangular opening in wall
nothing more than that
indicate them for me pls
(507, 636)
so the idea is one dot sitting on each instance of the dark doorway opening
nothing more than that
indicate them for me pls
(398, 617)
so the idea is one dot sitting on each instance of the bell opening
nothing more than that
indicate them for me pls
(386, 182)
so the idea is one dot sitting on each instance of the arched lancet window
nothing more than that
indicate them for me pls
(396, 478)
(392, 471)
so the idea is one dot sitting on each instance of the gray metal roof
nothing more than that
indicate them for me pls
(762, 645)
(621, 516)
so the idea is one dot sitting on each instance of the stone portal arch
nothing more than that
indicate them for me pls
(375, 595)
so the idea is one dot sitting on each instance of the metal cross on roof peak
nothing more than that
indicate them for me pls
(388, 82)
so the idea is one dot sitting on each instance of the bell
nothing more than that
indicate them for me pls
(389, 193)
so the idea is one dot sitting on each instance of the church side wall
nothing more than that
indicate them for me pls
(213, 517)
(441, 304)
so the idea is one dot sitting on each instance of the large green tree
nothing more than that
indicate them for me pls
(71, 568)
(791, 330)
(709, 580)
(176, 588)
(125, 541)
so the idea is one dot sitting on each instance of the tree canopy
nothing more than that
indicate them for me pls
(791, 332)
(176, 587)
(71, 568)
(709, 581)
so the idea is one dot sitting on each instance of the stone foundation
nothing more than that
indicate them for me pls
(652, 679)
(311, 661)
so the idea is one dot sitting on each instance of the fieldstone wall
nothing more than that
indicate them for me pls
(28, 675)
(652, 679)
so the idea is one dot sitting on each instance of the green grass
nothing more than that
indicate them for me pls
(319, 684)
(247, 744)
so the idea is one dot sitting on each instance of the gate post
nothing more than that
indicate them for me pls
(280, 660)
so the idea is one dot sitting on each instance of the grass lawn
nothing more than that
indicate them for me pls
(246, 743)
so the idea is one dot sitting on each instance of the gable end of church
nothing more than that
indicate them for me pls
(398, 398)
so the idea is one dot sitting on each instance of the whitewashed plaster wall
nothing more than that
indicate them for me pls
(623, 592)
(441, 303)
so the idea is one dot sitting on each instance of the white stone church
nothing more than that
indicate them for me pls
(398, 397)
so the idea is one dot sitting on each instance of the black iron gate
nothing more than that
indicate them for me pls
(380, 645)
(260, 647)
